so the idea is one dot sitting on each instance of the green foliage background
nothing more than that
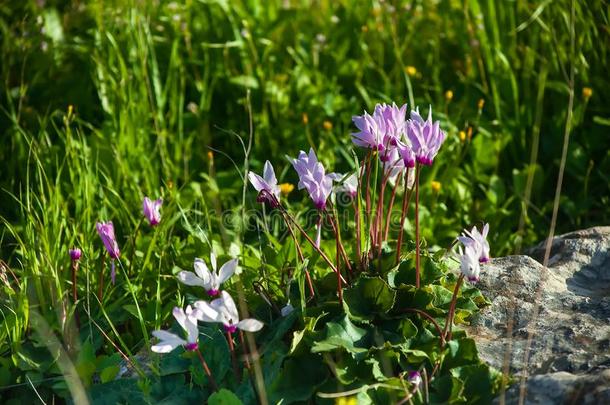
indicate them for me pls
(155, 85)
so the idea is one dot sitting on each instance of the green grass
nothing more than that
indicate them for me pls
(155, 87)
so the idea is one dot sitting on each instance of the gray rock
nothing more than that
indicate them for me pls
(565, 307)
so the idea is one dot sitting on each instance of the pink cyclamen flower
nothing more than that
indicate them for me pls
(106, 232)
(75, 254)
(372, 132)
(209, 280)
(267, 187)
(406, 153)
(169, 341)
(151, 210)
(313, 178)
(469, 263)
(426, 137)
(477, 241)
(394, 122)
(223, 310)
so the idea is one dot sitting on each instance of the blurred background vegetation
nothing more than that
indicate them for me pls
(104, 102)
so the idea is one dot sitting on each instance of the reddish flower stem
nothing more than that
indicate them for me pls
(389, 215)
(204, 364)
(417, 257)
(405, 205)
(311, 242)
(243, 346)
(74, 291)
(451, 314)
(334, 222)
(300, 253)
(233, 358)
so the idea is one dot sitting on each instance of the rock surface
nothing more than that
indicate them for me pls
(565, 311)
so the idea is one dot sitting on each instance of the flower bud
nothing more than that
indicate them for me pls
(75, 254)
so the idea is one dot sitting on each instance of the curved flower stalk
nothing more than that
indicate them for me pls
(152, 210)
(477, 241)
(106, 232)
(223, 310)
(268, 183)
(209, 280)
(169, 341)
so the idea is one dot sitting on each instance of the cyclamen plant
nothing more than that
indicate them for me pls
(398, 148)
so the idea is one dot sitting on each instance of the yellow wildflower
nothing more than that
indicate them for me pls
(327, 125)
(286, 188)
(210, 155)
(436, 186)
(462, 136)
(448, 95)
(587, 92)
(346, 401)
(305, 118)
(411, 70)
(481, 103)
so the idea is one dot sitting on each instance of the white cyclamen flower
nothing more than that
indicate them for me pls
(210, 280)
(477, 241)
(169, 341)
(349, 186)
(223, 310)
(469, 263)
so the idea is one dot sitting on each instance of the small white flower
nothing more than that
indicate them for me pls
(169, 341)
(210, 280)
(223, 310)
(469, 263)
(348, 186)
(477, 241)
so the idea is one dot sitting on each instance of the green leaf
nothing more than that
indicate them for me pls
(447, 389)
(343, 334)
(368, 297)
(299, 379)
(224, 397)
(461, 352)
(109, 373)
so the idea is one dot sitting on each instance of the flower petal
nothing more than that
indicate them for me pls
(203, 272)
(227, 270)
(206, 312)
(269, 174)
(250, 325)
(257, 181)
(189, 278)
(229, 307)
(167, 341)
